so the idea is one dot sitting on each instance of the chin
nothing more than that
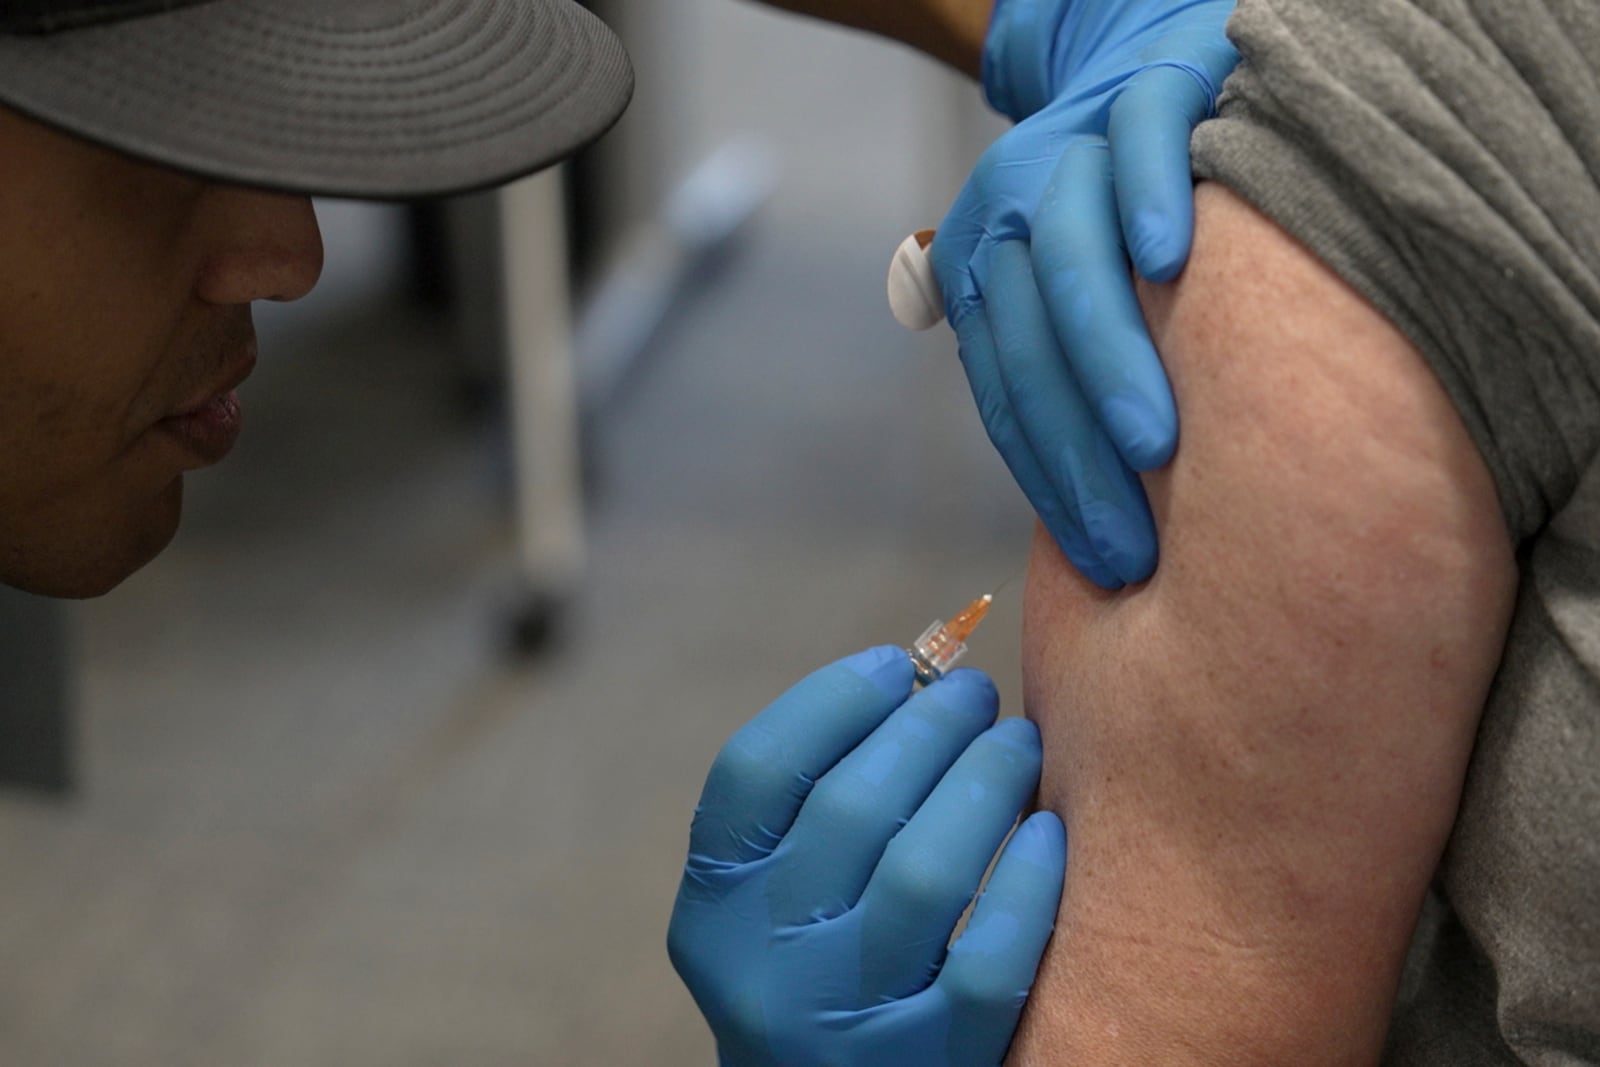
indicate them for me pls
(93, 558)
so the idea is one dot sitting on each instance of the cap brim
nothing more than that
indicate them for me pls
(382, 99)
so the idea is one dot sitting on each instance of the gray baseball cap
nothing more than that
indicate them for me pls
(381, 99)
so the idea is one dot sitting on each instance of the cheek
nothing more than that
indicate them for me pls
(83, 500)
(66, 403)
(94, 281)
(84, 368)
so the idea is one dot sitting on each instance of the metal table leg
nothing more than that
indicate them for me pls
(543, 394)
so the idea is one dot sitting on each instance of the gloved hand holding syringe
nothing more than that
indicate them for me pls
(840, 837)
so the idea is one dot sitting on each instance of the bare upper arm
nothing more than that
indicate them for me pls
(1258, 754)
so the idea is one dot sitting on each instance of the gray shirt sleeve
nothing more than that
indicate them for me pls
(1443, 157)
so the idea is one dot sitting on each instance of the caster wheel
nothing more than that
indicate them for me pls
(536, 624)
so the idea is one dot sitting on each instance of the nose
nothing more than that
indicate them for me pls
(259, 246)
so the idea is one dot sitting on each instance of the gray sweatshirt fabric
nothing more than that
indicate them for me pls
(1443, 157)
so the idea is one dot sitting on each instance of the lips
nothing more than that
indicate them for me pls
(209, 432)
(208, 426)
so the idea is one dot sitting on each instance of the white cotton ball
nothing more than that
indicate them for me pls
(914, 294)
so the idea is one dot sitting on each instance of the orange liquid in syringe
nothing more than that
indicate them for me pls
(967, 620)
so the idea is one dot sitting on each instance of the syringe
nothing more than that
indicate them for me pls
(943, 643)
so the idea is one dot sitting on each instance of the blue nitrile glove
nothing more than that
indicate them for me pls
(839, 837)
(1033, 257)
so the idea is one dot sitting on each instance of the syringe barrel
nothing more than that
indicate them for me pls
(935, 653)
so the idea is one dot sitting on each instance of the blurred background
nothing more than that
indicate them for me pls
(390, 759)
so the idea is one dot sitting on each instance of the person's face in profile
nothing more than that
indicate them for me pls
(125, 293)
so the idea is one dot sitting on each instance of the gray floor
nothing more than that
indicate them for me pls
(325, 822)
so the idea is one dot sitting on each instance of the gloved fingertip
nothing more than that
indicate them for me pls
(1124, 540)
(1158, 250)
(1020, 733)
(1138, 564)
(1160, 265)
(1133, 555)
(971, 683)
(1100, 575)
(1041, 840)
(886, 666)
(1088, 563)
(1145, 438)
(1160, 270)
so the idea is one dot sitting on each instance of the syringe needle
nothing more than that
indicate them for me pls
(1013, 576)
